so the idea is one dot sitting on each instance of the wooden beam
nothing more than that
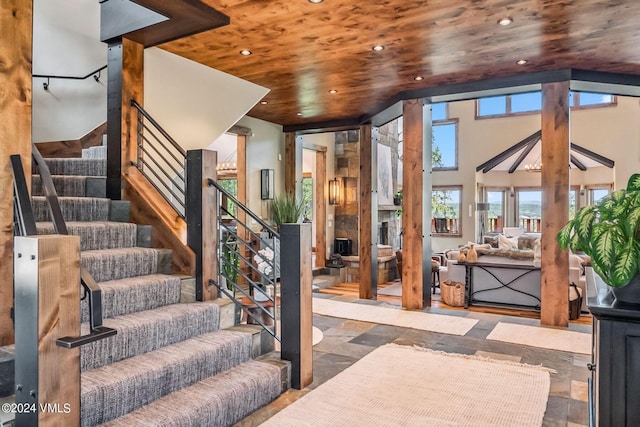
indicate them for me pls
(240, 130)
(414, 296)
(290, 162)
(16, 29)
(368, 211)
(522, 156)
(555, 203)
(604, 161)
(313, 147)
(241, 176)
(132, 88)
(320, 211)
(494, 161)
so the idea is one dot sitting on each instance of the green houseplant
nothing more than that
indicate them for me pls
(609, 232)
(285, 209)
(230, 261)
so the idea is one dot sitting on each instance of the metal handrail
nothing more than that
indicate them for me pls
(54, 76)
(157, 126)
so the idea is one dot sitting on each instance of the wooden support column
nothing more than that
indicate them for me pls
(368, 250)
(241, 176)
(16, 29)
(290, 164)
(296, 301)
(47, 308)
(320, 211)
(416, 249)
(202, 219)
(555, 203)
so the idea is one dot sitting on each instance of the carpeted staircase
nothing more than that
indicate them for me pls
(169, 364)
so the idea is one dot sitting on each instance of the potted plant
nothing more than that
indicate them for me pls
(609, 232)
(397, 199)
(230, 262)
(285, 209)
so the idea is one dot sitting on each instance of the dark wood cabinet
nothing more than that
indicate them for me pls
(614, 393)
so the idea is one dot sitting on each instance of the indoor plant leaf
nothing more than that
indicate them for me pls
(625, 265)
(634, 182)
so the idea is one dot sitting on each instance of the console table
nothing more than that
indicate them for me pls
(511, 285)
(614, 386)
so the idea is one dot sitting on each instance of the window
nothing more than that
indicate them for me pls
(529, 210)
(230, 185)
(444, 154)
(574, 203)
(495, 216)
(531, 102)
(596, 193)
(307, 198)
(439, 111)
(446, 205)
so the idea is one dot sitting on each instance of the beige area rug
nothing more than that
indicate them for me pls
(408, 386)
(536, 336)
(394, 290)
(440, 323)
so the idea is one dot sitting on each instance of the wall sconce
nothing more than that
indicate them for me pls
(512, 192)
(267, 184)
(581, 190)
(334, 191)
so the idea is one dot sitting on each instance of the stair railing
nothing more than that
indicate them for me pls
(95, 73)
(27, 227)
(161, 160)
(253, 261)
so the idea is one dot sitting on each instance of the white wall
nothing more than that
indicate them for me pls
(66, 42)
(194, 103)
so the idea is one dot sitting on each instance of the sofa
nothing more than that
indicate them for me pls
(512, 281)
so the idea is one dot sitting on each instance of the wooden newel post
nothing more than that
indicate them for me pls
(47, 289)
(201, 213)
(296, 299)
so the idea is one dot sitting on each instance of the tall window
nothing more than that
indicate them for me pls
(445, 145)
(439, 111)
(307, 198)
(531, 102)
(573, 201)
(231, 186)
(495, 216)
(596, 193)
(446, 205)
(530, 210)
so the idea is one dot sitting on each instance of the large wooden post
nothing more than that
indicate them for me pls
(202, 219)
(292, 164)
(16, 29)
(555, 203)
(320, 211)
(296, 301)
(368, 250)
(47, 308)
(416, 252)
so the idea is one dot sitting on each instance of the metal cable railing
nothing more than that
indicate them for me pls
(248, 262)
(161, 160)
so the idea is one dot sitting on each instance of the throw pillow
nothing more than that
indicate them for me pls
(507, 243)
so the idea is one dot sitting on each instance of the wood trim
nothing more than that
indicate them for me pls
(313, 147)
(240, 130)
(494, 161)
(555, 203)
(132, 88)
(290, 162)
(368, 211)
(169, 230)
(16, 29)
(320, 214)
(241, 176)
(412, 206)
(73, 147)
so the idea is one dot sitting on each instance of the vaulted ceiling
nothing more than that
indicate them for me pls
(302, 51)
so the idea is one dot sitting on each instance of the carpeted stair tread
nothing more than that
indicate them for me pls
(98, 152)
(97, 234)
(221, 400)
(135, 294)
(65, 185)
(119, 263)
(76, 166)
(73, 208)
(117, 389)
(149, 330)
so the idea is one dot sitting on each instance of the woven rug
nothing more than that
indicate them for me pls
(536, 336)
(394, 290)
(408, 386)
(443, 324)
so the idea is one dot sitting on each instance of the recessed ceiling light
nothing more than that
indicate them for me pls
(377, 48)
(298, 114)
(315, 1)
(333, 91)
(245, 52)
(418, 78)
(505, 21)
(521, 61)
(264, 102)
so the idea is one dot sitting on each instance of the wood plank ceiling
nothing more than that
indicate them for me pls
(301, 50)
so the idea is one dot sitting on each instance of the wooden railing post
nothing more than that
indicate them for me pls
(296, 302)
(47, 285)
(201, 213)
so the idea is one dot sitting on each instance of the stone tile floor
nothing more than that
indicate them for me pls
(346, 341)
